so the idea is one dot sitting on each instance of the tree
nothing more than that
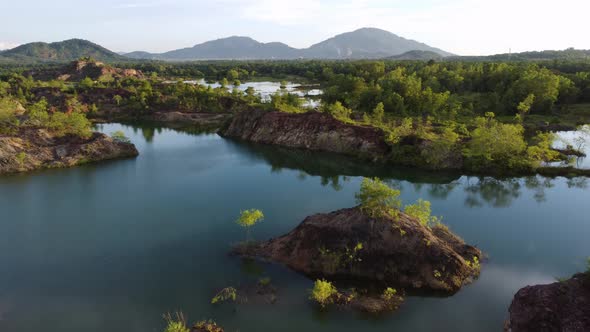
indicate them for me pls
(378, 113)
(249, 218)
(421, 211)
(495, 143)
(323, 292)
(119, 136)
(525, 106)
(378, 200)
(338, 111)
(117, 99)
(38, 115)
(86, 83)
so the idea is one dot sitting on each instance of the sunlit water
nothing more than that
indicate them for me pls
(113, 246)
(266, 89)
(580, 140)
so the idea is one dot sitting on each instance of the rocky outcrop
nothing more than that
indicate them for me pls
(80, 69)
(561, 306)
(30, 149)
(346, 245)
(312, 130)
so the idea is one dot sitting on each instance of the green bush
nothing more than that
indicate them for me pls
(323, 292)
(377, 200)
(119, 136)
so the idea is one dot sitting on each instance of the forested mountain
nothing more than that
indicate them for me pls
(366, 43)
(226, 48)
(67, 50)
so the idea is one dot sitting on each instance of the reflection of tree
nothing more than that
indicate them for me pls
(581, 183)
(502, 192)
(442, 191)
(498, 193)
(334, 181)
(148, 133)
(333, 168)
(539, 185)
(251, 267)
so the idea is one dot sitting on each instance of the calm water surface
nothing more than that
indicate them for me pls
(113, 246)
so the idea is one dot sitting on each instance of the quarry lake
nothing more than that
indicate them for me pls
(113, 246)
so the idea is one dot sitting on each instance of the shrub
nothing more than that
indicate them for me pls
(8, 117)
(38, 115)
(175, 324)
(377, 200)
(421, 211)
(250, 218)
(323, 292)
(225, 294)
(70, 123)
(388, 294)
(208, 326)
(20, 158)
(119, 136)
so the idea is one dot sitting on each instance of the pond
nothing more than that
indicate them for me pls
(308, 94)
(113, 246)
(579, 140)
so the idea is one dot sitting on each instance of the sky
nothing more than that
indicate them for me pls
(465, 27)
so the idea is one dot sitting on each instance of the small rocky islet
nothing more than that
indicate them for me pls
(31, 149)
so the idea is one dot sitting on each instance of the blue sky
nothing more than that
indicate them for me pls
(459, 26)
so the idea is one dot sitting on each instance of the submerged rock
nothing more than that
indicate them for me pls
(346, 245)
(312, 130)
(32, 149)
(561, 306)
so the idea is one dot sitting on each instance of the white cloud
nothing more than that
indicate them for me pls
(7, 45)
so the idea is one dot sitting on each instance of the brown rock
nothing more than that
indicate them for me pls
(312, 130)
(32, 149)
(561, 306)
(399, 253)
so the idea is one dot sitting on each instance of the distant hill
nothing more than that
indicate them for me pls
(366, 43)
(417, 55)
(67, 50)
(568, 54)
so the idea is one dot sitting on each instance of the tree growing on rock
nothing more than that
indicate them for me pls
(323, 292)
(249, 218)
(378, 200)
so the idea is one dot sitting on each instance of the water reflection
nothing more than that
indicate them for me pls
(334, 170)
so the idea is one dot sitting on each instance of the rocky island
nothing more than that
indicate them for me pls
(39, 138)
(32, 149)
(374, 246)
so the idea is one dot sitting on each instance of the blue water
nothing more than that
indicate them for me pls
(113, 246)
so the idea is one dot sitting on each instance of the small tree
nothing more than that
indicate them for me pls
(119, 136)
(378, 200)
(525, 106)
(117, 99)
(378, 113)
(249, 218)
(421, 211)
(323, 292)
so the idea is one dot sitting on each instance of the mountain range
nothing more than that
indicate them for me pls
(366, 43)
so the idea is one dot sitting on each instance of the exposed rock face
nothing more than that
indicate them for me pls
(561, 306)
(32, 149)
(80, 69)
(313, 131)
(399, 253)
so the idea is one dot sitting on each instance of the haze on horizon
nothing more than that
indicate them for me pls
(465, 27)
